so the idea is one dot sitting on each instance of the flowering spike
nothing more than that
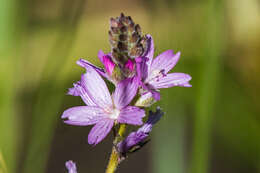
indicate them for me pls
(126, 39)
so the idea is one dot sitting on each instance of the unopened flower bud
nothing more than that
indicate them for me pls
(138, 29)
(109, 64)
(125, 39)
(145, 100)
(113, 22)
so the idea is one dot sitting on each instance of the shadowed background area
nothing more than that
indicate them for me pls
(210, 128)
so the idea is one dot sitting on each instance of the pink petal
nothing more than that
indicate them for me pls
(101, 54)
(85, 64)
(142, 68)
(165, 61)
(83, 115)
(125, 91)
(131, 115)
(100, 131)
(171, 80)
(78, 90)
(129, 65)
(144, 62)
(150, 51)
(96, 88)
(108, 64)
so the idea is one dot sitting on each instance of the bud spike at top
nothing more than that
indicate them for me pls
(126, 39)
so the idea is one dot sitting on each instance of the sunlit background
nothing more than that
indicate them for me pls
(213, 127)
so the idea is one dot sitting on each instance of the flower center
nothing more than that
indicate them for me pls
(114, 114)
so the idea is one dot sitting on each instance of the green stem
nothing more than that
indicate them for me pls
(114, 160)
(3, 168)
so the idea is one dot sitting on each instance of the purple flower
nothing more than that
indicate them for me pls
(105, 59)
(102, 109)
(71, 166)
(138, 139)
(154, 72)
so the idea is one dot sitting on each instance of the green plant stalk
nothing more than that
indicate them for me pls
(114, 159)
(208, 89)
(3, 167)
(8, 59)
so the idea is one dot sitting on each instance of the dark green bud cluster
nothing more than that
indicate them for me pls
(126, 39)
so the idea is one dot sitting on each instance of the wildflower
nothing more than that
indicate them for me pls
(136, 140)
(154, 73)
(102, 109)
(71, 166)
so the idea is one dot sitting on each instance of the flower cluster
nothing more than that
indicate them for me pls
(137, 77)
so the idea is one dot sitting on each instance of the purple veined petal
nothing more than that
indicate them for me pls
(83, 115)
(125, 91)
(100, 131)
(153, 118)
(141, 68)
(78, 90)
(156, 95)
(101, 54)
(153, 90)
(165, 61)
(171, 80)
(131, 115)
(71, 166)
(139, 137)
(74, 91)
(96, 88)
(150, 51)
(132, 140)
(85, 64)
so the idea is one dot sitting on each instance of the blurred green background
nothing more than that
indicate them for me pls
(210, 128)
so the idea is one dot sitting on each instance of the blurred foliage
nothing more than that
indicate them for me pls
(212, 127)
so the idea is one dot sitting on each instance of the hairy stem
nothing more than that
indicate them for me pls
(114, 157)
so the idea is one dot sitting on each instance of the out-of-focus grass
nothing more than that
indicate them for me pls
(8, 121)
(204, 51)
(208, 87)
(51, 93)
